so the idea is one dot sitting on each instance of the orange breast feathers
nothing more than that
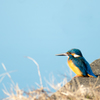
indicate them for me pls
(75, 69)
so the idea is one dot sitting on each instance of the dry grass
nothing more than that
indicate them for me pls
(43, 93)
(83, 93)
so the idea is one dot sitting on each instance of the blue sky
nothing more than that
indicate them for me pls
(42, 28)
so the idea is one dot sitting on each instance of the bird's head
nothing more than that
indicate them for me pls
(73, 52)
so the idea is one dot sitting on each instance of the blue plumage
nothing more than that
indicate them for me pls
(89, 70)
(83, 65)
(76, 51)
(78, 63)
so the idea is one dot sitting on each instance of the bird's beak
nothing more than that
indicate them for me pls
(62, 54)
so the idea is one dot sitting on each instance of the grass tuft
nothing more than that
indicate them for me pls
(43, 93)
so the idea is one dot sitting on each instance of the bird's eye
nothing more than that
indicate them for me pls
(68, 53)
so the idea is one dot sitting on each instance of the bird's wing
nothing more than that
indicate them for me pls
(88, 68)
(81, 65)
(84, 66)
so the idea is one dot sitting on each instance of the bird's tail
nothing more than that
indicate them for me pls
(92, 75)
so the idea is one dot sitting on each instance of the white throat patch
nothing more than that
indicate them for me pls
(75, 55)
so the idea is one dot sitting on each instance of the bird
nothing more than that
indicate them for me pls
(78, 63)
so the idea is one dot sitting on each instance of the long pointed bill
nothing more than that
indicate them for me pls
(62, 54)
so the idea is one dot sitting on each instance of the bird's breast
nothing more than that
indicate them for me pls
(74, 68)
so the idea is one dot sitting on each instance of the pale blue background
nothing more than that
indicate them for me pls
(42, 28)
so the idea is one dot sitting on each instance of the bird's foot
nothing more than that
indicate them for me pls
(77, 76)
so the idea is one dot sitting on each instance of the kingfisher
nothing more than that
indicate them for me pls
(78, 63)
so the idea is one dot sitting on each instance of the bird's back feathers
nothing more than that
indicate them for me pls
(82, 65)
